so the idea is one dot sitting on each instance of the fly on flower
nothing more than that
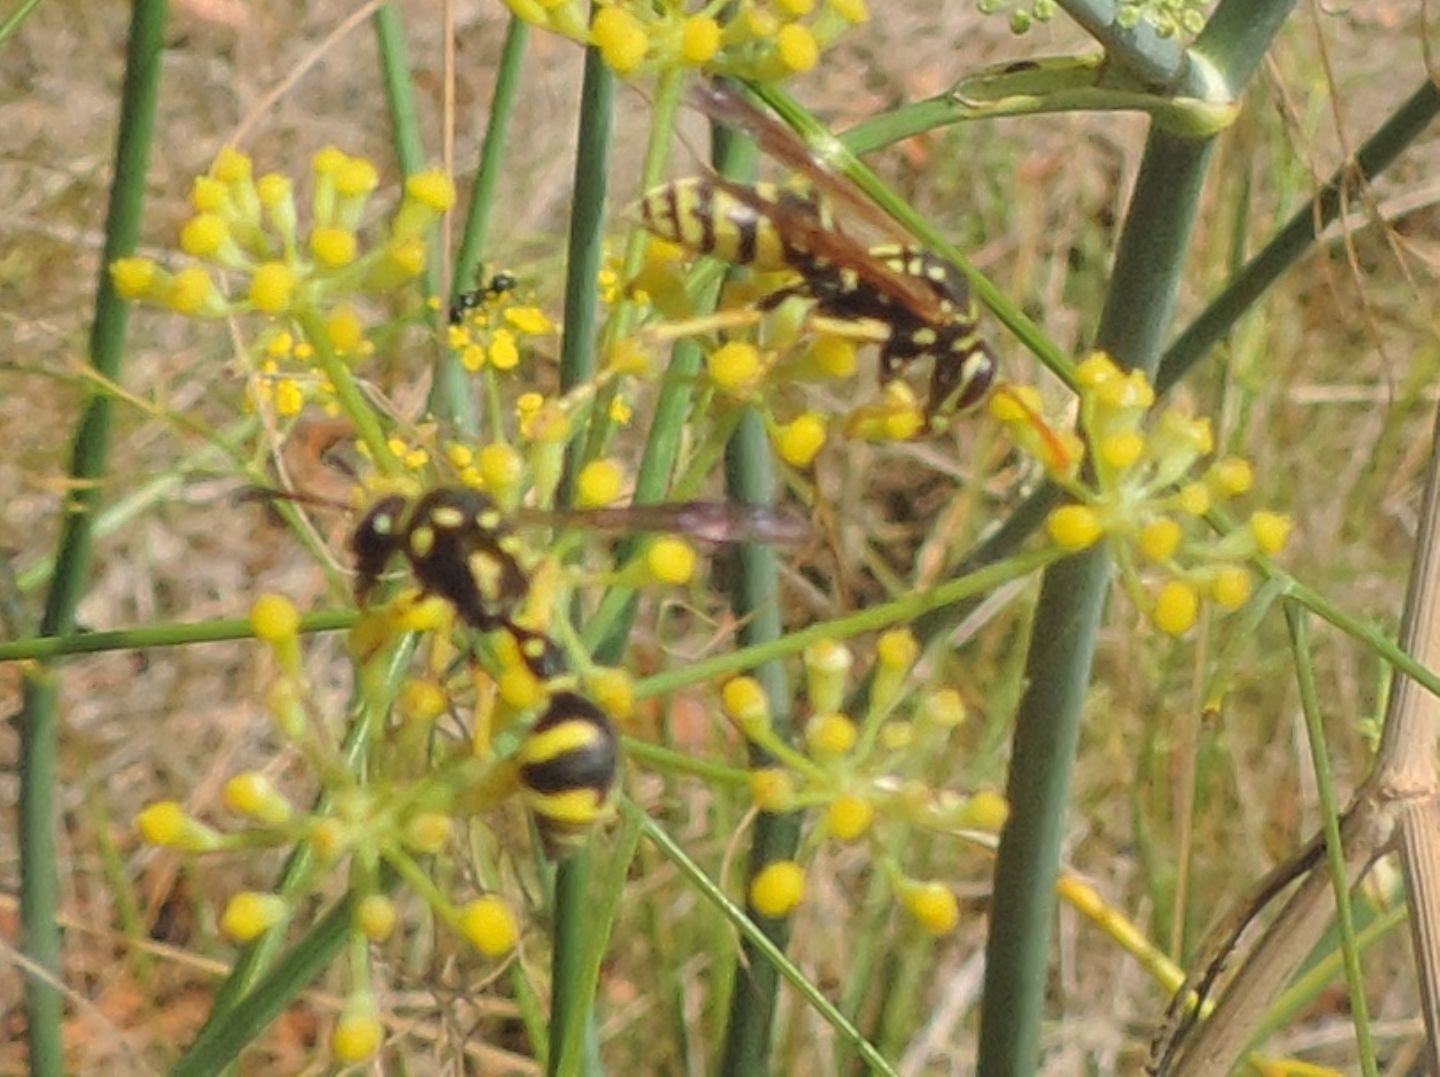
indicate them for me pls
(920, 302)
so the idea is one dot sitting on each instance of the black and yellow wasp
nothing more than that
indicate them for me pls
(460, 547)
(922, 301)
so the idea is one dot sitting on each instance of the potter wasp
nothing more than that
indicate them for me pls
(459, 546)
(921, 301)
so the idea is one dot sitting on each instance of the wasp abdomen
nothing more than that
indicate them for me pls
(698, 214)
(567, 766)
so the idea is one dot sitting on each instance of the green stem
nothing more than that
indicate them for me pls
(39, 721)
(872, 619)
(1156, 61)
(759, 940)
(492, 156)
(220, 1042)
(1141, 300)
(450, 395)
(572, 997)
(347, 393)
(1330, 810)
(749, 475)
(48, 648)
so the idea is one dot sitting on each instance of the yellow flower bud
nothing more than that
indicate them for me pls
(530, 320)
(777, 889)
(1159, 539)
(274, 618)
(1271, 531)
(620, 37)
(699, 39)
(600, 483)
(798, 49)
(289, 398)
(272, 288)
(1194, 499)
(986, 810)
(849, 817)
(745, 702)
(933, 906)
(249, 915)
(830, 735)
(772, 789)
(1176, 607)
(253, 794)
(1232, 586)
(333, 248)
(943, 709)
(504, 353)
(1232, 476)
(670, 560)
(1074, 527)
(204, 234)
(375, 917)
(357, 1034)
(429, 831)
(490, 926)
(1121, 450)
(799, 441)
(735, 367)
(132, 277)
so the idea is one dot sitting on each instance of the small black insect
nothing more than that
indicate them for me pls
(464, 302)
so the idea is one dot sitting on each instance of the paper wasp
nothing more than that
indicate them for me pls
(922, 301)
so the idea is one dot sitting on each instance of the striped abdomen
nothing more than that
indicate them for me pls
(567, 767)
(733, 224)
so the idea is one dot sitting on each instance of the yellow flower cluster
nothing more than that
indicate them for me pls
(409, 808)
(869, 777)
(1146, 491)
(248, 228)
(762, 40)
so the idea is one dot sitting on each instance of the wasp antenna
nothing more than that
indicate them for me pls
(273, 493)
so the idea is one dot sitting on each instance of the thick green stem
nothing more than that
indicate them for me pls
(1154, 60)
(450, 396)
(750, 478)
(571, 996)
(492, 156)
(39, 720)
(1138, 308)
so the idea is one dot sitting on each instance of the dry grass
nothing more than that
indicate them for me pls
(1328, 388)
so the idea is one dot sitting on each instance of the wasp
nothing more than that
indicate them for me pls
(460, 546)
(922, 301)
